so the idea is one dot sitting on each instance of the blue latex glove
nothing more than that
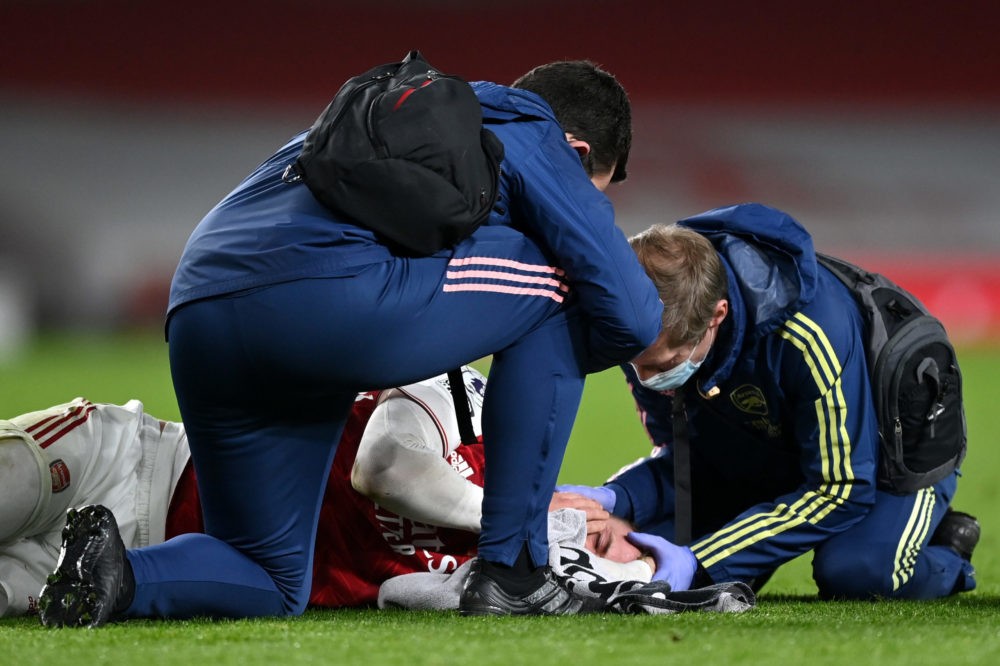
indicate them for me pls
(674, 564)
(600, 494)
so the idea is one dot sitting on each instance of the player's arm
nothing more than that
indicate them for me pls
(400, 465)
(577, 224)
(555, 200)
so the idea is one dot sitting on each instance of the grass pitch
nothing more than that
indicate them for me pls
(788, 627)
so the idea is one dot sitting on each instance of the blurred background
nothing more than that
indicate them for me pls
(122, 122)
(876, 124)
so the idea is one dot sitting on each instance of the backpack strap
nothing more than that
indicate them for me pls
(861, 283)
(462, 411)
(682, 471)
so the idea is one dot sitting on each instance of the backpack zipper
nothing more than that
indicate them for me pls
(381, 149)
(292, 173)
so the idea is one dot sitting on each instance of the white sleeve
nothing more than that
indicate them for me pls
(401, 465)
(434, 395)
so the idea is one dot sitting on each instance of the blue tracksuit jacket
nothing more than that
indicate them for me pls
(267, 232)
(783, 434)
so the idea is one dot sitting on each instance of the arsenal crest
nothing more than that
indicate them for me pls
(60, 475)
(749, 399)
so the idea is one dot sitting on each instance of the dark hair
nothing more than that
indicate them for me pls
(591, 105)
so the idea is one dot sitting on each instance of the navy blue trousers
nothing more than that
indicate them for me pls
(265, 379)
(887, 554)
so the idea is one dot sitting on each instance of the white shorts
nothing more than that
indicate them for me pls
(117, 456)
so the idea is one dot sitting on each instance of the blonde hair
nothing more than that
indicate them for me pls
(688, 275)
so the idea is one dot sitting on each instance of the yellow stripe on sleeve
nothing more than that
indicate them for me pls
(831, 408)
(810, 508)
(834, 450)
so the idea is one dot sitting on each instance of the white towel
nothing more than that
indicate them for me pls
(625, 588)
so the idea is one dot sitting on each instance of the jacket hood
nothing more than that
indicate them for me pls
(772, 270)
(505, 103)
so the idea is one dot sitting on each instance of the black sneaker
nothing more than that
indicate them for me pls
(93, 580)
(959, 531)
(482, 595)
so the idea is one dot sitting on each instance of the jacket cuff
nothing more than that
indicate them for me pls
(623, 503)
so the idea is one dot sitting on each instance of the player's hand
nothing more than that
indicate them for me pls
(600, 494)
(674, 564)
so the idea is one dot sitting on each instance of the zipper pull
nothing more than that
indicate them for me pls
(936, 410)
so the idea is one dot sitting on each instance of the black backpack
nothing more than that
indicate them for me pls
(402, 150)
(916, 382)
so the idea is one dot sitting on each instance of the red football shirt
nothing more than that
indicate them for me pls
(358, 543)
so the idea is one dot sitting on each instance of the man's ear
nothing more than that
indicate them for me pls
(582, 148)
(720, 312)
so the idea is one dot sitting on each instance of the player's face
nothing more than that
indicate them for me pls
(610, 543)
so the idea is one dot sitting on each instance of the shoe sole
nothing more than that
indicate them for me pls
(478, 610)
(483, 610)
(67, 600)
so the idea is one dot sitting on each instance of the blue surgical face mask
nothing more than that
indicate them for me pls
(674, 377)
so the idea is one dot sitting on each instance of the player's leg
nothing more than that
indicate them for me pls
(401, 321)
(262, 439)
(397, 322)
(889, 553)
(24, 490)
(532, 397)
(72, 454)
(261, 451)
(24, 565)
(531, 401)
(113, 455)
(25, 484)
(257, 556)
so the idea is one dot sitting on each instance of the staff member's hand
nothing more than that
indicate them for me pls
(674, 564)
(597, 517)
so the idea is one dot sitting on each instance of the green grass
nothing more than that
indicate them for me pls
(779, 631)
(788, 626)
